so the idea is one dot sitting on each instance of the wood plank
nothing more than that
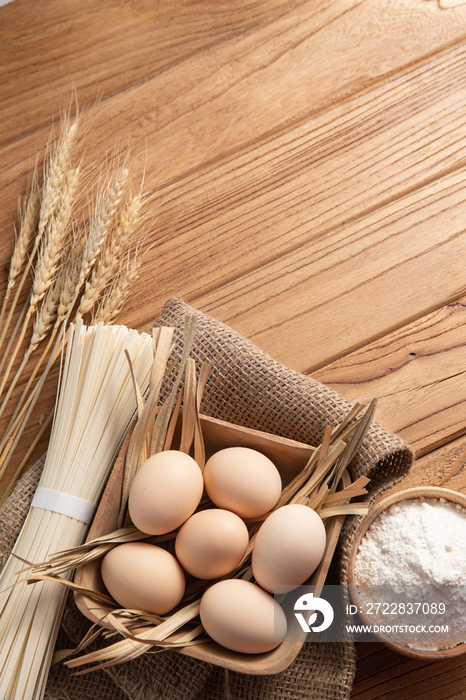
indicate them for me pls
(267, 200)
(386, 675)
(224, 221)
(355, 283)
(239, 90)
(254, 47)
(229, 93)
(282, 133)
(418, 374)
(125, 43)
(445, 466)
(201, 241)
(443, 114)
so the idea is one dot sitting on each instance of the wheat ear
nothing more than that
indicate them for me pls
(98, 231)
(114, 251)
(48, 260)
(83, 258)
(23, 243)
(101, 223)
(47, 315)
(118, 294)
(54, 240)
(56, 176)
(61, 294)
(56, 170)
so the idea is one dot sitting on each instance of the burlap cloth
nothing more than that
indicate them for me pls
(249, 388)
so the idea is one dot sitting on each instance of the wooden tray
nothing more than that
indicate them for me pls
(289, 457)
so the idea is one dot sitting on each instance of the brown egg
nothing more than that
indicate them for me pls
(143, 576)
(241, 616)
(242, 480)
(288, 548)
(165, 492)
(211, 543)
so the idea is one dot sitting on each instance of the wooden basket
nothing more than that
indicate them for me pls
(289, 457)
(416, 492)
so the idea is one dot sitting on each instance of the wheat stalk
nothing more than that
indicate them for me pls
(40, 207)
(116, 249)
(101, 222)
(46, 317)
(65, 268)
(50, 252)
(83, 260)
(56, 170)
(56, 233)
(111, 228)
(63, 294)
(114, 300)
(22, 245)
(51, 310)
(44, 427)
(56, 175)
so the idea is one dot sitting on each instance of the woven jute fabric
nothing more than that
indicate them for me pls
(249, 388)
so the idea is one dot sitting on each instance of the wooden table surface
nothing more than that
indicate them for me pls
(305, 162)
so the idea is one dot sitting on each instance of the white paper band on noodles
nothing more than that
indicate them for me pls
(64, 503)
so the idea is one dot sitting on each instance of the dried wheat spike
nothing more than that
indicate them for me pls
(25, 236)
(54, 241)
(112, 254)
(55, 177)
(69, 281)
(47, 315)
(114, 300)
(101, 221)
(56, 169)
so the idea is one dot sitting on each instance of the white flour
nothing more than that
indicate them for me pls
(418, 547)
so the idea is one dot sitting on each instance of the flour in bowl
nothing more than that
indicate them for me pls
(417, 547)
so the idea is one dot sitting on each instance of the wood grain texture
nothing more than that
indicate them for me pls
(233, 217)
(251, 47)
(305, 162)
(417, 372)
(355, 283)
(445, 467)
(384, 675)
(106, 47)
(229, 92)
(303, 183)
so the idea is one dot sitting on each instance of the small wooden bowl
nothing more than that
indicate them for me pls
(289, 457)
(417, 492)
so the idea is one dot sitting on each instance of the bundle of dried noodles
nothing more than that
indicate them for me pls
(95, 406)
